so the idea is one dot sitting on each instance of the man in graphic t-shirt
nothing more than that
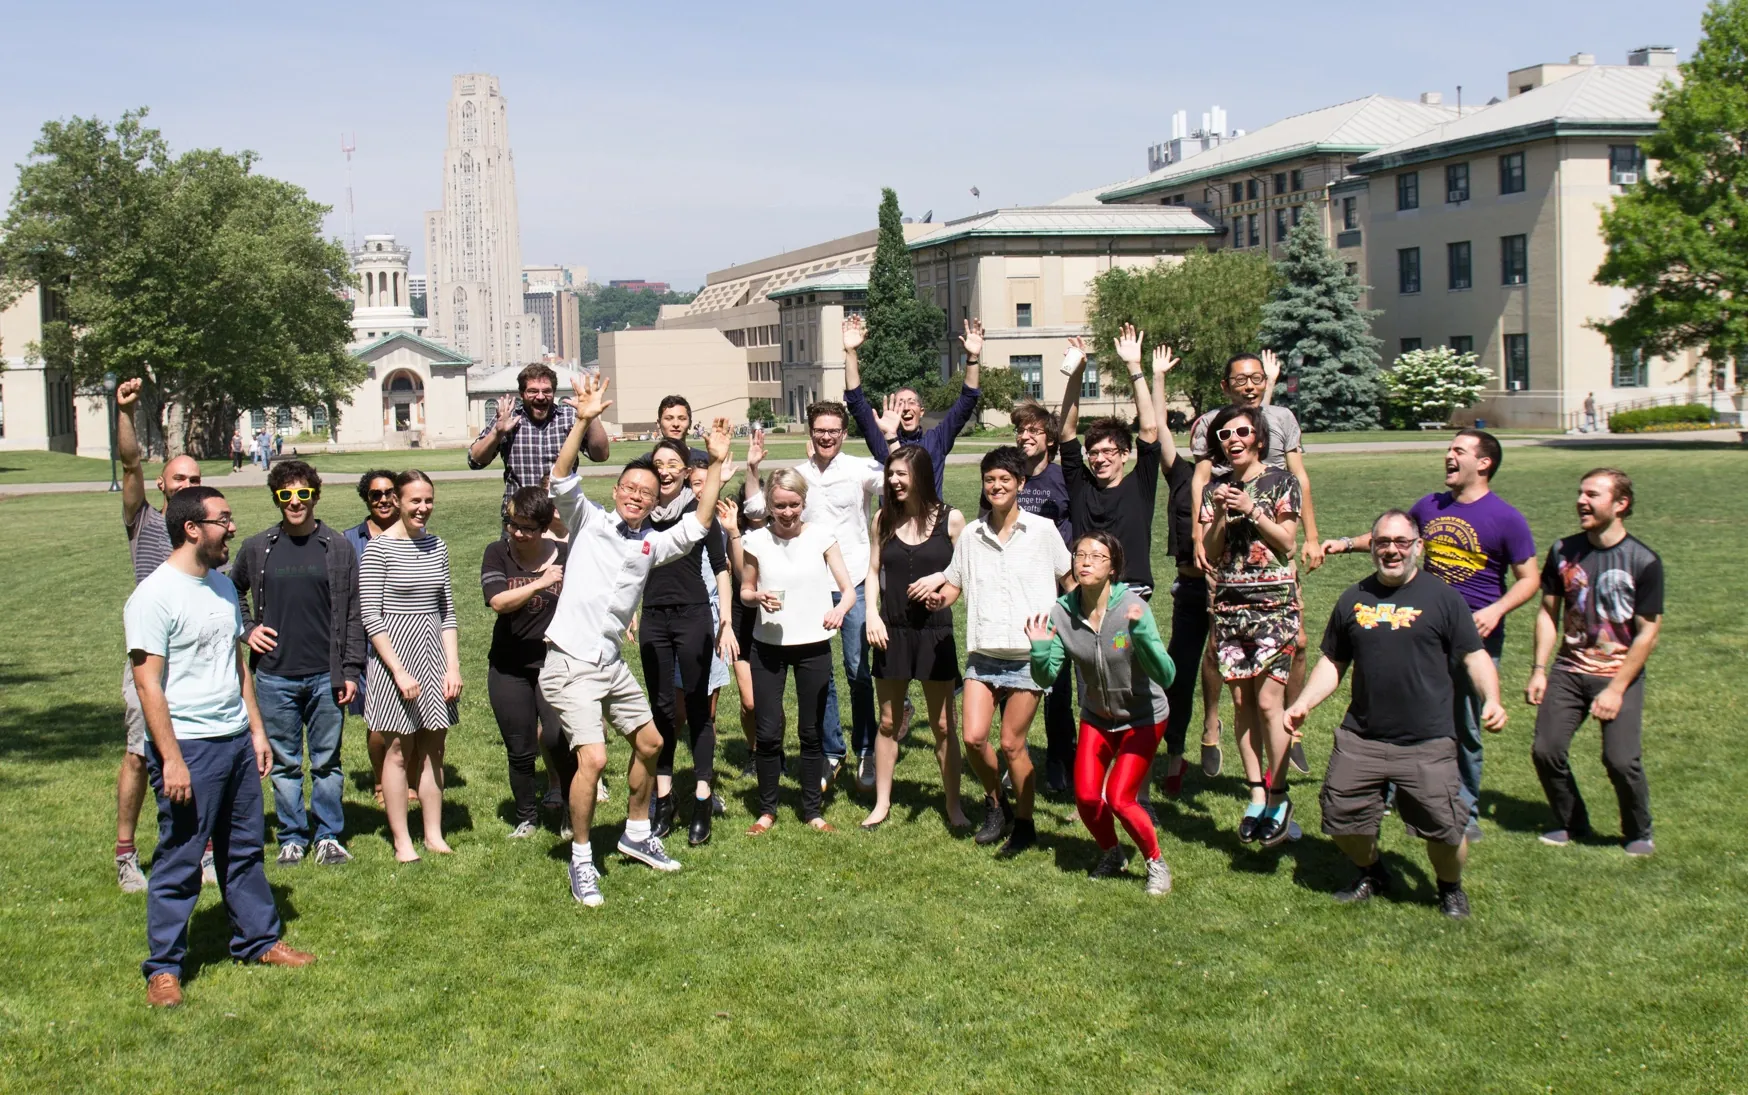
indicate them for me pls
(1400, 630)
(307, 649)
(148, 547)
(1473, 540)
(1602, 601)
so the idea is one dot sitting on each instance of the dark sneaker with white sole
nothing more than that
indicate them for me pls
(648, 852)
(290, 855)
(1296, 757)
(1368, 885)
(1453, 902)
(1113, 864)
(586, 884)
(995, 822)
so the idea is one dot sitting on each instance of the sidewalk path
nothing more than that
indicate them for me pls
(255, 477)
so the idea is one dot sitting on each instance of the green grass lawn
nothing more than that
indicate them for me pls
(25, 466)
(903, 960)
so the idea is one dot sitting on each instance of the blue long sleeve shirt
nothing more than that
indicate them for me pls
(937, 442)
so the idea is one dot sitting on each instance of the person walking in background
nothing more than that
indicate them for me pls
(521, 579)
(792, 568)
(676, 638)
(528, 432)
(409, 614)
(1007, 566)
(1108, 631)
(263, 448)
(901, 421)
(1590, 412)
(914, 533)
(148, 542)
(382, 511)
(236, 450)
(1602, 606)
(1400, 631)
(307, 651)
(1472, 540)
(840, 490)
(208, 749)
(1045, 494)
(1250, 515)
(584, 677)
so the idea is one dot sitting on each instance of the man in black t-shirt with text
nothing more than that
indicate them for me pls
(1400, 630)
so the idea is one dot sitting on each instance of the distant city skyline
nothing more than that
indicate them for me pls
(660, 148)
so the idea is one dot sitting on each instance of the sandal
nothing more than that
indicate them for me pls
(821, 825)
(763, 825)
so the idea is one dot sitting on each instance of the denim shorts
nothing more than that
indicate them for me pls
(1002, 674)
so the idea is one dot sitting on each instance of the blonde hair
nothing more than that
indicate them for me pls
(790, 480)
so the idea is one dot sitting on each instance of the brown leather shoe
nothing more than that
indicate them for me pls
(279, 954)
(164, 990)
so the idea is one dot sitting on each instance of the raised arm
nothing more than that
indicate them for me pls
(1128, 346)
(1271, 370)
(874, 429)
(716, 442)
(1073, 363)
(504, 422)
(590, 400)
(754, 506)
(127, 450)
(1163, 362)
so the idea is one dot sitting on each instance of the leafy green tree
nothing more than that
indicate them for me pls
(904, 330)
(1678, 241)
(1206, 308)
(998, 389)
(209, 282)
(1432, 384)
(614, 308)
(761, 410)
(1315, 322)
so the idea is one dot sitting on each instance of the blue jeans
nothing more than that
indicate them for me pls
(225, 809)
(859, 669)
(288, 706)
(1467, 716)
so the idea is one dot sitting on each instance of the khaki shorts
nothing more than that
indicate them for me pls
(588, 696)
(1429, 789)
(135, 715)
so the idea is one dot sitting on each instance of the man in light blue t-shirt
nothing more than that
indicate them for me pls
(208, 748)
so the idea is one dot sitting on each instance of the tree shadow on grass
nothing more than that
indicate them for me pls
(78, 730)
(209, 931)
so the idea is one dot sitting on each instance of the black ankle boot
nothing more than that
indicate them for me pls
(661, 815)
(702, 812)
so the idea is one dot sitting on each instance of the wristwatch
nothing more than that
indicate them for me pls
(1346, 544)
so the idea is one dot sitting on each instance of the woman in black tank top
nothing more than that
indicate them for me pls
(913, 536)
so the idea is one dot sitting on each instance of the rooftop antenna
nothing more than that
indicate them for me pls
(349, 145)
(1459, 100)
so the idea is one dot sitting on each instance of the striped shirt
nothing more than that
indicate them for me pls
(404, 577)
(148, 541)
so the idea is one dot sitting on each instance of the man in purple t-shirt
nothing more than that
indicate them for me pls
(1472, 539)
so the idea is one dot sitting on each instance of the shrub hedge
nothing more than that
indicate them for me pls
(1637, 421)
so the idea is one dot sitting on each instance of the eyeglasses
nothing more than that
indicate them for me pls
(302, 494)
(1091, 557)
(227, 521)
(1105, 452)
(637, 492)
(526, 530)
(1227, 433)
(1401, 545)
(1024, 430)
(1245, 380)
(378, 495)
(828, 433)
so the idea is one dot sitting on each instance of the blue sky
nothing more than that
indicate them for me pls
(667, 140)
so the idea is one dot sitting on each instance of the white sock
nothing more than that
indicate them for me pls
(582, 853)
(636, 829)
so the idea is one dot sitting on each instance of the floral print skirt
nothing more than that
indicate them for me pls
(1255, 630)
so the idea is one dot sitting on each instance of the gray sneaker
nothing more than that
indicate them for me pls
(648, 851)
(865, 773)
(209, 872)
(522, 831)
(586, 884)
(331, 853)
(128, 874)
(1640, 848)
(1113, 864)
(1158, 877)
(1473, 833)
(290, 855)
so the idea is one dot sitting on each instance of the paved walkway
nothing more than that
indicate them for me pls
(254, 477)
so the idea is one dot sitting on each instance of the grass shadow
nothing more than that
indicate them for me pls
(1517, 815)
(67, 731)
(209, 931)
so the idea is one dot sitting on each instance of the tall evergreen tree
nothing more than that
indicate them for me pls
(1315, 322)
(1678, 240)
(904, 331)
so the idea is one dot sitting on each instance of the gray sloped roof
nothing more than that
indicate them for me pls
(1065, 220)
(1359, 125)
(439, 353)
(842, 279)
(1602, 99)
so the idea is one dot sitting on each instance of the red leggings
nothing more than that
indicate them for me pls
(1098, 799)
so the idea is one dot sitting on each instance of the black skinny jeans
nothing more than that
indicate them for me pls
(680, 636)
(1189, 638)
(812, 663)
(528, 725)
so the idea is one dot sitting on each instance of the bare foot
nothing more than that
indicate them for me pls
(821, 825)
(406, 855)
(958, 821)
(438, 846)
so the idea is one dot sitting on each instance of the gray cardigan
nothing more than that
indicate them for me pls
(346, 643)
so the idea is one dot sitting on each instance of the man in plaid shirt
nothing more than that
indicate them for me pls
(530, 431)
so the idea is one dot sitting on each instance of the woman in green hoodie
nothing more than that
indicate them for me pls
(1124, 671)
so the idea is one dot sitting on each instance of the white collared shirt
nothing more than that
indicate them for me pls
(839, 502)
(1004, 583)
(604, 578)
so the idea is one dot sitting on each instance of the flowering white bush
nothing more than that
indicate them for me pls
(1434, 383)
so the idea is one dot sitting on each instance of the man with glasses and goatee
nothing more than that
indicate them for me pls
(306, 643)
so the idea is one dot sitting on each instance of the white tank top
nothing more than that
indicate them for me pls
(798, 568)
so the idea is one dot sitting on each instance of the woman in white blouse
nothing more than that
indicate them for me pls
(791, 570)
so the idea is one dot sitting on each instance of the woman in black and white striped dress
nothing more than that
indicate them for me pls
(409, 614)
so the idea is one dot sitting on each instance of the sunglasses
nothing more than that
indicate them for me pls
(302, 494)
(1227, 433)
(380, 495)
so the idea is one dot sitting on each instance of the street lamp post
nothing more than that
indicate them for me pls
(109, 395)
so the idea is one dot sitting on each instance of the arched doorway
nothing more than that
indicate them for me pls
(403, 402)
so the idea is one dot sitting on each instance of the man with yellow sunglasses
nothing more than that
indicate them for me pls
(299, 581)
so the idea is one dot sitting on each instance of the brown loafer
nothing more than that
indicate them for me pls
(164, 990)
(279, 954)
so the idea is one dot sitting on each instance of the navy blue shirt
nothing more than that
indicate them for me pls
(937, 442)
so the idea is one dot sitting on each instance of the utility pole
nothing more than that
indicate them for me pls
(349, 146)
